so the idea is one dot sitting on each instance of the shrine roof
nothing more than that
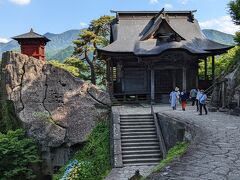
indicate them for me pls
(30, 35)
(150, 33)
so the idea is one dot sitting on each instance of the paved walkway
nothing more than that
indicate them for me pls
(214, 154)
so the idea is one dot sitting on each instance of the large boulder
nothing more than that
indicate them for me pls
(57, 109)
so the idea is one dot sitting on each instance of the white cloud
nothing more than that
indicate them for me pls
(4, 40)
(153, 1)
(183, 1)
(83, 25)
(223, 24)
(168, 6)
(21, 2)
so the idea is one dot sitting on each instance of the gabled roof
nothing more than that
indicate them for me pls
(132, 33)
(30, 35)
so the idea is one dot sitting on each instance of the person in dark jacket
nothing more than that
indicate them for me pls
(183, 97)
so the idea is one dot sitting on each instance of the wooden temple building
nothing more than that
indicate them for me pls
(150, 53)
(32, 44)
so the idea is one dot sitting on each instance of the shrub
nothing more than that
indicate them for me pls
(17, 154)
(93, 160)
(8, 118)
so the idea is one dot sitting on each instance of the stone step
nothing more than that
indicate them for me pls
(137, 123)
(141, 148)
(142, 151)
(136, 117)
(142, 164)
(140, 140)
(136, 120)
(130, 115)
(153, 129)
(141, 136)
(141, 156)
(134, 133)
(139, 144)
(141, 160)
(137, 126)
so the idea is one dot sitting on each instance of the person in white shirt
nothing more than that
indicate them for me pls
(202, 102)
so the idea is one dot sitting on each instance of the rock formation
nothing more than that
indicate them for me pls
(57, 109)
(226, 93)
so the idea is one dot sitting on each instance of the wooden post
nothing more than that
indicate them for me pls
(184, 80)
(197, 80)
(174, 78)
(213, 67)
(223, 95)
(205, 69)
(111, 78)
(152, 85)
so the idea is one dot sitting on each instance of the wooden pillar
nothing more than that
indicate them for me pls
(174, 78)
(197, 78)
(205, 69)
(223, 94)
(213, 67)
(110, 78)
(152, 85)
(184, 78)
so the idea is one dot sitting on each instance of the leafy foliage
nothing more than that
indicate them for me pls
(234, 10)
(96, 35)
(17, 154)
(223, 64)
(8, 118)
(93, 160)
(73, 65)
(177, 151)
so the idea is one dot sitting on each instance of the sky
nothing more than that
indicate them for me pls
(57, 16)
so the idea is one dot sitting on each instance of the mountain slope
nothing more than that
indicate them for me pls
(59, 42)
(61, 45)
(218, 36)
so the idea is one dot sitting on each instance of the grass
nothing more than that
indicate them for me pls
(93, 159)
(177, 151)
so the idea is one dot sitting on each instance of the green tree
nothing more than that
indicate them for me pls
(234, 10)
(96, 35)
(17, 154)
(73, 65)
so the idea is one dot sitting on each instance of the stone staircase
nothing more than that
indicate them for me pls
(139, 142)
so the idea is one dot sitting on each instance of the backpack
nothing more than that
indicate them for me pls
(202, 99)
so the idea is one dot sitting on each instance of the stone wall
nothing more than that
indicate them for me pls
(174, 130)
(56, 109)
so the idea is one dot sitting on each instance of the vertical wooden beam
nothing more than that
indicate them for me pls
(223, 95)
(184, 78)
(213, 67)
(174, 78)
(197, 74)
(110, 78)
(205, 69)
(152, 84)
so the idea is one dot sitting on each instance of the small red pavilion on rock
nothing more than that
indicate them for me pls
(32, 44)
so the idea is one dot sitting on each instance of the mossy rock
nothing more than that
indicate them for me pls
(8, 118)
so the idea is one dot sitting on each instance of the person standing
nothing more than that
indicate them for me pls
(193, 95)
(173, 100)
(202, 102)
(183, 97)
(178, 94)
(197, 99)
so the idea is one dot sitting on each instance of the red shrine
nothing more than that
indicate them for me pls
(32, 44)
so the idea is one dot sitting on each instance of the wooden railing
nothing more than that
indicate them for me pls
(159, 133)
